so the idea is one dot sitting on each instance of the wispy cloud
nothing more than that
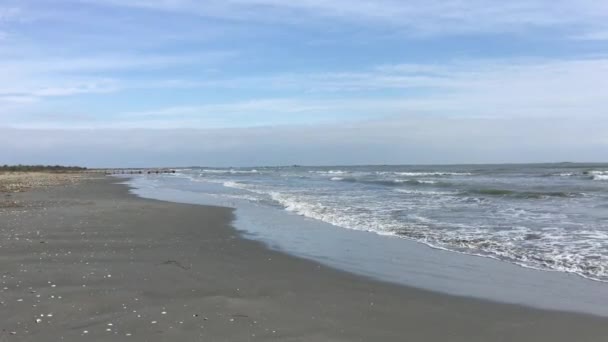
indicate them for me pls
(418, 16)
(483, 88)
(458, 75)
(37, 89)
(471, 88)
(252, 107)
(429, 68)
(66, 76)
(95, 64)
(403, 140)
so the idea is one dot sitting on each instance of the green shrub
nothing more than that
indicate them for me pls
(45, 168)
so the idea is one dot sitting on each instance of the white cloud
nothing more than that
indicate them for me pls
(566, 77)
(41, 88)
(483, 88)
(102, 63)
(252, 107)
(47, 76)
(462, 88)
(136, 47)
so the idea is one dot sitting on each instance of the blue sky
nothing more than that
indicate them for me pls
(241, 82)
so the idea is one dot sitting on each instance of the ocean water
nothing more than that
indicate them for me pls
(549, 216)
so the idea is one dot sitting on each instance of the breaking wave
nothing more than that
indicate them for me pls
(551, 218)
(597, 175)
(551, 249)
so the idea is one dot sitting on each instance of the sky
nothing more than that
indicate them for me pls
(117, 83)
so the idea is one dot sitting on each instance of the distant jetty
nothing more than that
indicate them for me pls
(77, 169)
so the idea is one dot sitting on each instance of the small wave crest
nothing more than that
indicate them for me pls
(425, 192)
(235, 185)
(392, 182)
(566, 174)
(230, 171)
(597, 175)
(426, 174)
(561, 174)
(521, 194)
(416, 181)
(329, 172)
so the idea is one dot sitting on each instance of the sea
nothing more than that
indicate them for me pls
(549, 217)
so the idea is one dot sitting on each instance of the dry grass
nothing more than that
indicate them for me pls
(22, 181)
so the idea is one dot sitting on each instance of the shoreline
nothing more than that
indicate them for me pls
(393, 260)
(188, 270)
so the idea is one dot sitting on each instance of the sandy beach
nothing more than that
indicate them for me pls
(87, 260)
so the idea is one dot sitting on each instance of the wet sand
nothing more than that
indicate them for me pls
(90, 261)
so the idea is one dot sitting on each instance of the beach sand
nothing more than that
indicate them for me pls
(88, 261)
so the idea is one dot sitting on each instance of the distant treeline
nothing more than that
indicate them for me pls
(47, 168)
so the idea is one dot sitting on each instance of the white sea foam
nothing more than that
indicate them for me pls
(426, 174)
(214, 171)
(230, 171)
(329, 172)
(235, 185)
(246, 187)
(566, 174)
(426, 181)
(237, 197)
(599, 175)
(550, 250)
(416, 181)
(539, 233)
(425, 192)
